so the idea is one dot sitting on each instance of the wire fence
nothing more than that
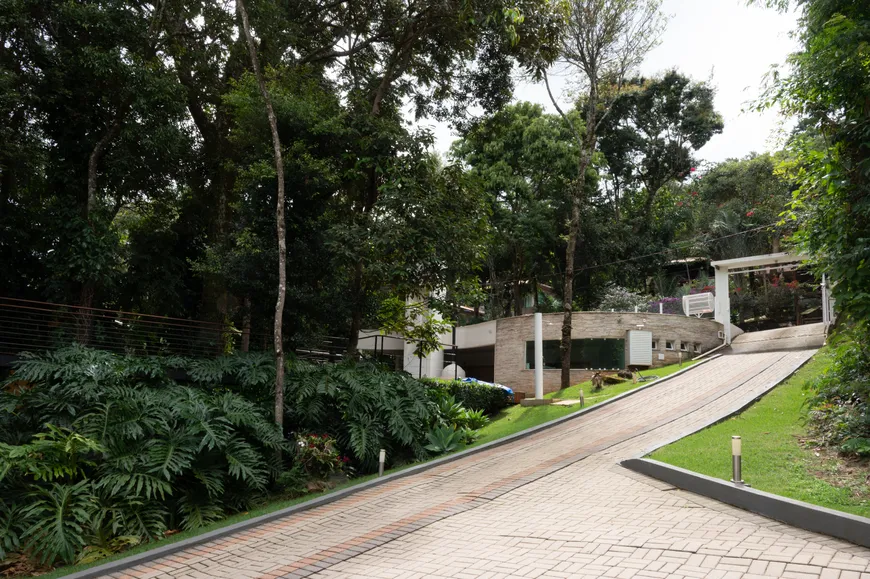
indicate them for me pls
(27, 325)
(34, 326)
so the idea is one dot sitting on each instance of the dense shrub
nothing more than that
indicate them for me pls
(840, 406)
(364, 407)
(95, 447)
(472, 395)
(99, 452)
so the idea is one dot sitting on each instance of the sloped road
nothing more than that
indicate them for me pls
(555, 504)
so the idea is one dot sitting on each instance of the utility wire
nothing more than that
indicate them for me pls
(685, 244)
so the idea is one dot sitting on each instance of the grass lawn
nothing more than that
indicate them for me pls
(775, 459)
(516, 418)
(511, 420)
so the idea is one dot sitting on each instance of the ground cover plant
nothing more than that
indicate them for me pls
(101, 452)
(839, 414)
(779, 454)
(123, 455)
(472, 395)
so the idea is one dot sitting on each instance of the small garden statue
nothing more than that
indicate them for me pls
(597, 382)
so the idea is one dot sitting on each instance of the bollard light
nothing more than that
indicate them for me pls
(382, 457)
(736, 456)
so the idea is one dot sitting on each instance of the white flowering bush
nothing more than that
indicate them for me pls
(620, 299)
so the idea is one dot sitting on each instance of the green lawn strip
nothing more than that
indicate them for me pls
(774, 459)
(517, 418)
(509, 421)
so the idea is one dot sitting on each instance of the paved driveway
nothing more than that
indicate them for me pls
(552, 505)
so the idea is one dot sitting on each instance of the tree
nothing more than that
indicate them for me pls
(650, 136)
(827, 88)
(279, 216)
(741, 195)
(604, 41)
(99, 119)
(444, 57)
(525, 160)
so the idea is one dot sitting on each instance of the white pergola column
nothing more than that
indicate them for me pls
(723, 301)
(539, 356)
(725, 267)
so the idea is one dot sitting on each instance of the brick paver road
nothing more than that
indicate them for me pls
(556, 504)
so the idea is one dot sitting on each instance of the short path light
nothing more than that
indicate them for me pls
(736, 456)
(382, 457)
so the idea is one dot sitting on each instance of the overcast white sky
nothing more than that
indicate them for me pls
(726, 40)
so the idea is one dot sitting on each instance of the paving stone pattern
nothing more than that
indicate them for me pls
(556, 504)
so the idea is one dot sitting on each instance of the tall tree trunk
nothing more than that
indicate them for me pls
(398, 62)
(537, 291)
(568, 288)
(89, 285)
(586, 146)
(279, 218)
(356, 311)
(246, 324)
(517, 287)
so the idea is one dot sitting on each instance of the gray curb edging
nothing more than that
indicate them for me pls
(799, 514)
(158, 552)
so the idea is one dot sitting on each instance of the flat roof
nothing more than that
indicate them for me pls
(758, 260)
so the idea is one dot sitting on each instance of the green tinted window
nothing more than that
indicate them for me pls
(586, 354)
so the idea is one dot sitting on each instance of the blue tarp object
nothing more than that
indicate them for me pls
(502, 386)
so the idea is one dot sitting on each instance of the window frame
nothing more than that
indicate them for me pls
(669, 345)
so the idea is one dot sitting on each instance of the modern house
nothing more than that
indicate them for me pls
(503, 350)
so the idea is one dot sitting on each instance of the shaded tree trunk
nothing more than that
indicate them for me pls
(246, 324)
(279, 218)
(517, 286)
(356, 312)
(89, 285)
(398, 63)
(586, 145)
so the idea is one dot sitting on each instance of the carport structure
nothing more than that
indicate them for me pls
(779, 262)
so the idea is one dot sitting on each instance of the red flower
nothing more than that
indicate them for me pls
(679, 203)
(738, 289)
(694, 193)
(345, 459)
(750, 213)
(692, 169)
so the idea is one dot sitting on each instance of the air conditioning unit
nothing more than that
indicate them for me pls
(639, 346)
(698, 304)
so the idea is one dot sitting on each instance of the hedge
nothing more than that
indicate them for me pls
(473, 395)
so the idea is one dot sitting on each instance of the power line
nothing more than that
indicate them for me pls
(686, 244)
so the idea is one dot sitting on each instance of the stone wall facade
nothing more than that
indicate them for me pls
(672, 335)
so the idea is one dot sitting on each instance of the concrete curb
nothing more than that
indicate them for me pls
(803, 515)
(799, 514)
(158, 552)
